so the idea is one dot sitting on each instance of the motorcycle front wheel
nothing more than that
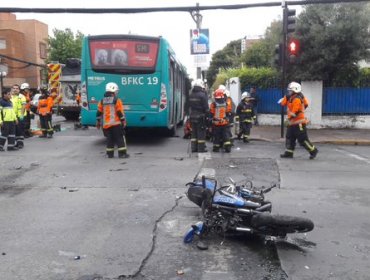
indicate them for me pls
(280, 225)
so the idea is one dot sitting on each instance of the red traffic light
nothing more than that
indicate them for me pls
(293, 47)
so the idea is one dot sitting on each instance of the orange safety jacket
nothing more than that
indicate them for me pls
(28, 101)
(219, 112)
(296, 106)
(45, 106)
(111, 110)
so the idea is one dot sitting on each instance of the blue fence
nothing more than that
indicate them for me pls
(268, 99)
(336, 101)
(346, 101)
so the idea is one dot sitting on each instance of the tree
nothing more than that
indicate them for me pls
(258, 55)
(64, 44)
(333, 39)
(228, 57)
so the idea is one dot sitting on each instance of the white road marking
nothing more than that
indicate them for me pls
(354, 156)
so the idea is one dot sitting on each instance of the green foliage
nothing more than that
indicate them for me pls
(333, 39)
(258, 55)
(228, 57)
(64, 44)
(364, 79)
(263, 77)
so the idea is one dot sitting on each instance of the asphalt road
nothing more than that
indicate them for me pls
(68, 212)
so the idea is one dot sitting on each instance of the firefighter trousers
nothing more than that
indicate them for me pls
(7, 133)
(46, 125)
(198, 137)
(115, 136)
(298, 132)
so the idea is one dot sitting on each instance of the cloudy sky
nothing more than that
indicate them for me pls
(224, 25)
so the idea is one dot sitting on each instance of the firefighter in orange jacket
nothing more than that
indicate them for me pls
(111, 116)
(25, 90)
(45, 111)
(296, 104)
(220, 111)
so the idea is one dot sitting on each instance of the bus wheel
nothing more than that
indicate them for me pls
(172, 131)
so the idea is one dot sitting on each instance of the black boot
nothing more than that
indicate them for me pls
(110, 154)
(123, 155)
(287, 155)
(313, 154)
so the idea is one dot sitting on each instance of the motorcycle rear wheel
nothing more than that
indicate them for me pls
(280, 225)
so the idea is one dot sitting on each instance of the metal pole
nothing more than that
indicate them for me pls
(283, 62)
(197, 17)
(1, 80)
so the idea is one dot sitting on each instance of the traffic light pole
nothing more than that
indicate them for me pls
(283, 68)
(197, 17)
(288, 27)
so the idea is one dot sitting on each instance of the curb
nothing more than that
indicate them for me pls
(353, 142)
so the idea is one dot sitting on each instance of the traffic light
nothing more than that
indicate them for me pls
(278, 54)
(293, 49)
(289, 21)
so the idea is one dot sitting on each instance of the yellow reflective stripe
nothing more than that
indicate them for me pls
(110, 149)
(122, 149)
(193, 140)
(201, 141)
(310, 147)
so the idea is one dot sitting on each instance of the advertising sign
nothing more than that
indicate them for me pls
(199, 41)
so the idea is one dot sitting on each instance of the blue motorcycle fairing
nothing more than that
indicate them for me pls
(229, 200)
(195, 229)
(210, 184)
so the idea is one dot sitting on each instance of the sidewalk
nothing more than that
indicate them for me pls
(324, 135)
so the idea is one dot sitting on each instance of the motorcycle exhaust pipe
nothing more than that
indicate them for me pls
(243, 229)
(264, 207)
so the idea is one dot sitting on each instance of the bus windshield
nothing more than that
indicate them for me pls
(123, 54)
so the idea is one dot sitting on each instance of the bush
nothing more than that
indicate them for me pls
(261, 77)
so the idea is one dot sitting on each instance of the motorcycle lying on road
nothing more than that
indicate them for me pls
(238, 208)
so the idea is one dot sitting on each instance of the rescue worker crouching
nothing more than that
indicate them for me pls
(45, 111)
(8, 121)
(198, 106)
(220, 111)
(111, 117)
(246, 115)
(296, 104)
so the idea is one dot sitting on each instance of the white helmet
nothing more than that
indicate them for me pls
(295, 87)
(227, 93)
(24, 86)
(111, 87)
(198, 83)
(222, 87)
(246, 94)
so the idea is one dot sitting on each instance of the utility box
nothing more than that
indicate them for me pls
(233, 85)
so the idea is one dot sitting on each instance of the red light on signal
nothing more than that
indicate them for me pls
(293, 47)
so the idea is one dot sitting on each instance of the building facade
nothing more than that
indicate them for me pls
(22, 44)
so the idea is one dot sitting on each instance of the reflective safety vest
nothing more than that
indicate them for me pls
(27, 95)
(112, 110)
(219, 112)
(45, 105)
(7, 113)
(296, 106)
(18, 102)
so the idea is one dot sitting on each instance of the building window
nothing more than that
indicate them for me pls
(43, 51)
(2, 44)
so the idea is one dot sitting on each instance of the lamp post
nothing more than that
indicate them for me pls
(2, 75)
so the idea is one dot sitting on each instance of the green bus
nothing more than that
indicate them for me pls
(153, 83)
